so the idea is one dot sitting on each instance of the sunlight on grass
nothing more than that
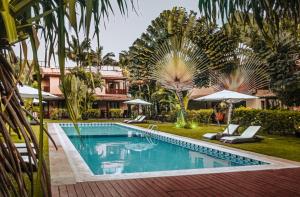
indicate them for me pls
(286, 147)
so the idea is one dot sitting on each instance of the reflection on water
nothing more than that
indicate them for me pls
(123, 154)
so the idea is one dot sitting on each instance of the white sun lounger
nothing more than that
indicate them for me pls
(247, 136)
(20, 145)
(29, 162)
(230, 130)
(24, 151)
(138, 117)
(142, 118)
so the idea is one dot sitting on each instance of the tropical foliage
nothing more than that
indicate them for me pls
(271, 29)
(211, 42)
(268, 15)
(20, 20)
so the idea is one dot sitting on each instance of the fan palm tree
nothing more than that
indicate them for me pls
(21, 20)
(175, 65)
(250, 73)
(211, 44)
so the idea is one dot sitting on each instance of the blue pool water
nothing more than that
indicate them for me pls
(114, 149)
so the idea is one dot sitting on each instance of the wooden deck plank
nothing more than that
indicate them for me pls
(103, 189)
(79, 189)
(283, 182)
(95, 189)
(119, 189)
(268, 178)
(86, 188)
(55, 191)
(151, 190)
(71, 191)
(136, 185)
(150, 183)
(128, 190)
(111, 189)
(63, 192)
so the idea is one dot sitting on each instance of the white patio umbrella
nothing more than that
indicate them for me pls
(29, 92)
(227, 96)
(138, 102)
(35, 101)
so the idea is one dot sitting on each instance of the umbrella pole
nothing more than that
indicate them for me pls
(229, 112)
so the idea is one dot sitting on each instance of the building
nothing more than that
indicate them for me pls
(112, 95)
(266, 99)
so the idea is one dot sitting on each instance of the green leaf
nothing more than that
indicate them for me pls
(9, 22)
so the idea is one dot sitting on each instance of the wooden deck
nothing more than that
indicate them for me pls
(284, 182)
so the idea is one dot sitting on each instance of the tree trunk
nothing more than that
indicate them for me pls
(181, 103)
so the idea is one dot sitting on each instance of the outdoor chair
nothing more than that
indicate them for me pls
(141, 120)
(28, 163)
(138, 117)
(22, 149)
(230, 130)
(247, 136)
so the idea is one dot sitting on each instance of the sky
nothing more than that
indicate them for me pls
(118, 32)
(122, 31)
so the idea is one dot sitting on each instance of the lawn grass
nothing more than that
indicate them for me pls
(287, 147)
(36, 129)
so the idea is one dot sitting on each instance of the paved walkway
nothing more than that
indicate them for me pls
(284, 182)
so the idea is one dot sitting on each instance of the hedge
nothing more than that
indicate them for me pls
(116, 113)
(272, 121)
(56, 113)
(200, 116)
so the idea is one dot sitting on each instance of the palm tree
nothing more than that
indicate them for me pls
(21, 20)
(79, 52)
(272, 13)
(99, 59)
(175, 65)
(205, 39)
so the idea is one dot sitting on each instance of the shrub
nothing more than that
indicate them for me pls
(200, 116)
(54, 114)
(272, 121)
(93, 113)
(116, 113)
(90, 113)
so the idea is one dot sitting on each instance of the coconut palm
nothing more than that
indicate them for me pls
(99, 59)
(79, 52)
(272, 13)
(21, 20)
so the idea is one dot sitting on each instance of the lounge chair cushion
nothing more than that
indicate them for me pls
(247, 136)
(209, 136)
(230, 130)
(141, 119)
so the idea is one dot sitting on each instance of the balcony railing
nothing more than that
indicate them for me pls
(115, 91)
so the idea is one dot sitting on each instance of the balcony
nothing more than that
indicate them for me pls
(115, 91)
(46, 88)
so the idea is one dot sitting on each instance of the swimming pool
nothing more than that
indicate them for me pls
(111, 149)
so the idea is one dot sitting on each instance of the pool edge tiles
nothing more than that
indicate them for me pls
(214, 153)
(82, 171)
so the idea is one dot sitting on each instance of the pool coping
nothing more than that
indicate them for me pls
(82, 173)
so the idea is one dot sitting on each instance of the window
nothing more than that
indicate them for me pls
(114, 105)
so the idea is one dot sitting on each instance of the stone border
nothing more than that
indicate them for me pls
(82, 172)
